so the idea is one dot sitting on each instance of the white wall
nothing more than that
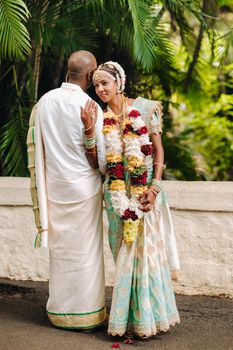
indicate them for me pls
(203, 219)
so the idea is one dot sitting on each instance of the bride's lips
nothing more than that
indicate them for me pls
(103, 96)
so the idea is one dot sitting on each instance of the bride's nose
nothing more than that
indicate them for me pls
(100, 88)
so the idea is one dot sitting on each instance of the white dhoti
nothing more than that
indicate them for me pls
(76, 276)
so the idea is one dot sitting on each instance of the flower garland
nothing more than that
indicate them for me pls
(128, 140)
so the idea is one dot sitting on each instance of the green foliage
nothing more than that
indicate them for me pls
(13, 146)
(209, 134)
(14, 37)
(225, 2)
(172, 50)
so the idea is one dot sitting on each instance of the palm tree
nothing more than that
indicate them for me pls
(133, 31)
(15, 45)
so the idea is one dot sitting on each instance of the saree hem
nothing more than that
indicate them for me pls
(142, 330)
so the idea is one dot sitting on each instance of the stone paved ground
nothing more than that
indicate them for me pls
(206, 324)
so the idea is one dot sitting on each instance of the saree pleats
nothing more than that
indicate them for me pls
(143, 298)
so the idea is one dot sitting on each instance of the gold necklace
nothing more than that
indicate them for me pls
(123, 103)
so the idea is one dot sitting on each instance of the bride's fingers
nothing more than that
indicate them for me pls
(87, 105)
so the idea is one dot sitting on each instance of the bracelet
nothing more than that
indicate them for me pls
(155, 188)
(90, 132)
(90, 126)
(153, 191)
(89, 140)
(157, 183)
(91, 145)
(89, 136)
(161, 164)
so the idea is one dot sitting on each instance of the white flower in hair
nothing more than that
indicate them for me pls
(120, 72)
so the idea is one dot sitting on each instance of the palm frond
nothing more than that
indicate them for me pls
(14, 37)
(143, 43)
(180, 6)
(227, 40)
(13, 145)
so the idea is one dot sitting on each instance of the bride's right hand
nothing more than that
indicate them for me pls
(147, 200)
(89, 114)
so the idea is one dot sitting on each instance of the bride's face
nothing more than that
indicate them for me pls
(106, 89)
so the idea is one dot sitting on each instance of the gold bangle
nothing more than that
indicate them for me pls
(155, 182)
(153, 191)
(89, 136)
(89, 132)
(161, 164)
(90, 126)
(155, 188)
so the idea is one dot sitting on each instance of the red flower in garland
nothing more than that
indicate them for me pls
(142, 130)
(134, 113)
(119, 174)
(109, 121)
(117, 171)
(129, 214)
(115, 346)
(139, 180)
(147, 149)
(127, 129)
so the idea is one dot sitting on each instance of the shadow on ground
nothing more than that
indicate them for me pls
(206, 324)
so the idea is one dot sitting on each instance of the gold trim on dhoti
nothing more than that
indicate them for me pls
(76, 320)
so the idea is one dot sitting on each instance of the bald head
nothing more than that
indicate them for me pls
(81, 62)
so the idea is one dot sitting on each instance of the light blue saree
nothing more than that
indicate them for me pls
(143, 300)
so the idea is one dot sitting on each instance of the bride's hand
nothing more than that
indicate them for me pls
(89, 114)
(147, 200)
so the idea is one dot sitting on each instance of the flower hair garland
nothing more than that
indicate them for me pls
(132, 145)
(120, 74)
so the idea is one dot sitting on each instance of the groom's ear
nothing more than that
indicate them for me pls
(67, 77)
(89, 75)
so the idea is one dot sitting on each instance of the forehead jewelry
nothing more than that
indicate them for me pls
(101, 74)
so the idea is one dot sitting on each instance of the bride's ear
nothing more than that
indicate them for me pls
(118, 91)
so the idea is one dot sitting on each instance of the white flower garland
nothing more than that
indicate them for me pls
(132, 145)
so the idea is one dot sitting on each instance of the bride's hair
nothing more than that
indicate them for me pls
(115, 70)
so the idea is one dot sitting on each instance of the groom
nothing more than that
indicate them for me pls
(66, 158)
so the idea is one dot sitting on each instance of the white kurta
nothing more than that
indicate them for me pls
(68, 207)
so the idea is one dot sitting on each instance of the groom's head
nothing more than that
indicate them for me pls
(81, 66)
